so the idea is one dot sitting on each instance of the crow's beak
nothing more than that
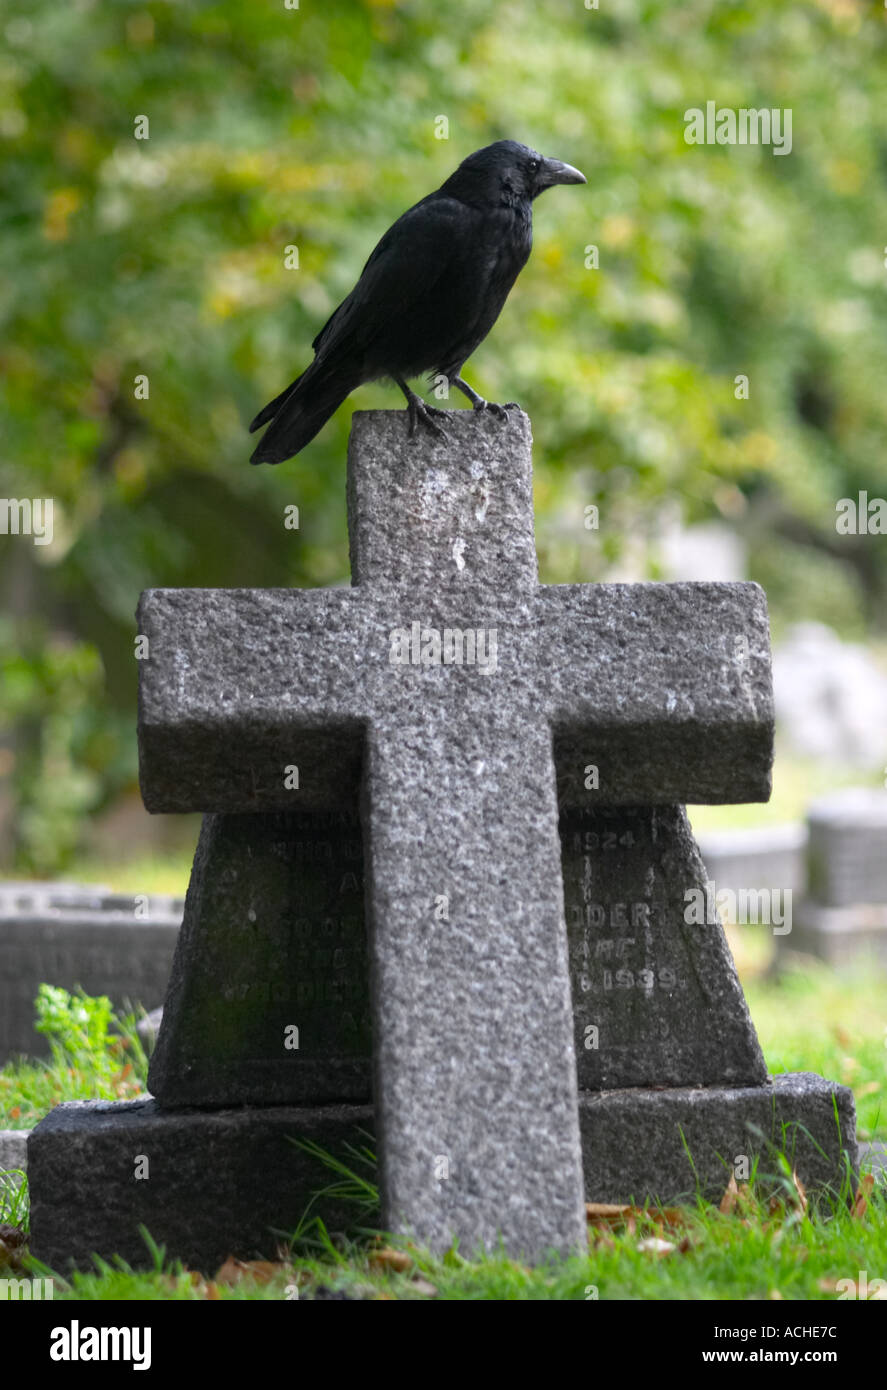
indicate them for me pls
(555, 171)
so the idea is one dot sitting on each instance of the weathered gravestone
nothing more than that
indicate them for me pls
(474, 715)
(75, 935)
(842, 915)
(274, 939)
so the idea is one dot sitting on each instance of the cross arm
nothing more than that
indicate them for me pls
(665, 689)
(238, 687)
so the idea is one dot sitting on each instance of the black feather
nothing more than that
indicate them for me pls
(428, 295)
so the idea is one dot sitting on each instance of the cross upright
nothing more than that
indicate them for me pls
(458, 695)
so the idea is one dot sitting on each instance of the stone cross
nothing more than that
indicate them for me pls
(456, 696)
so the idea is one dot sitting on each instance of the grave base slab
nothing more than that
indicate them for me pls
(217, 1183)
(638, 1144)
(253, 1182)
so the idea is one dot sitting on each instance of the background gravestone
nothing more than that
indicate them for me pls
(843, 914)
(71, 935)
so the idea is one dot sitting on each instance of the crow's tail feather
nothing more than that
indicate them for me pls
(272, 407)
(299, 412)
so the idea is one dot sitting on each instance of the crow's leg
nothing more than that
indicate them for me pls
(420, 410)
(480, 404)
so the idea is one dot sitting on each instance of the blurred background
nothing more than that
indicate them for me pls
(272, 128)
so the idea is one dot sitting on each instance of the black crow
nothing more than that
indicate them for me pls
(428, 295)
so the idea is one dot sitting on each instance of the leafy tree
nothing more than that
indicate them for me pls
(164, 258)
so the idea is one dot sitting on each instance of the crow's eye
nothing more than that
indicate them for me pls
(534, 166)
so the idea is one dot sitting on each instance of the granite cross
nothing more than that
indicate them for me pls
(457, 692)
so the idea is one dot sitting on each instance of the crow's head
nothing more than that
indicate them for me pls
(508, 173)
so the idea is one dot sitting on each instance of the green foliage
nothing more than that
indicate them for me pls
(315, 127)
(51, 694)
(14, 1204)
(350, 1186)
(95, 1055)
(77, 1026)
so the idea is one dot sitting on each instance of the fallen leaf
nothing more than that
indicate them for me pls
(605, 1211)
(675, 1216)
(233, 1270)
(868, 1089)
(263, 1271)
(775, 1296)
(12, 1247)
(863, 1192)
(828, 1285)
(388, 1258)
(654, 1246)
(730, 1197)
(841, 1034)
(15, 1112)
(800, 1190)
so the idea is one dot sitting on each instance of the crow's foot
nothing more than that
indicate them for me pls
(500, 411)
(478, 403)
(418, 409)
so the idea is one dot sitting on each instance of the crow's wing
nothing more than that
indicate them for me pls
(413, 255)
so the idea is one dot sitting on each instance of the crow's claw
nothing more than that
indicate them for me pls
(418, 410)
(492, 407)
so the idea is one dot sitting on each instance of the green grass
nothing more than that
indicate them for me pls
(14, 1207)
(769, 1246)
(95, 1055)
(813, 1019)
